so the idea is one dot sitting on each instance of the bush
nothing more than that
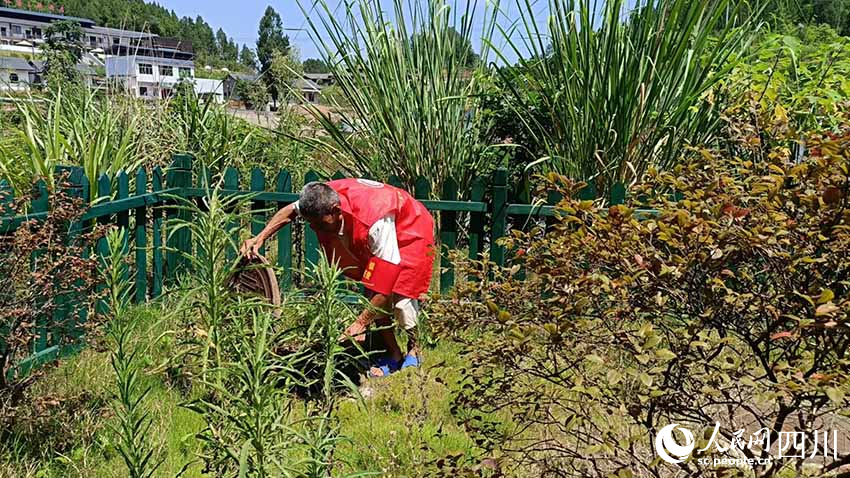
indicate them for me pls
(42, 272)
(725, 304)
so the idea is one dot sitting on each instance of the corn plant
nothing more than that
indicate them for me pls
(131, 434)
(411, 91)
(215, 227)
(621, 90)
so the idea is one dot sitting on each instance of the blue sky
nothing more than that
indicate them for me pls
(240, 18)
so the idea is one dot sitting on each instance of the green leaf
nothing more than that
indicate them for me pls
(645, 379)
(836, 395)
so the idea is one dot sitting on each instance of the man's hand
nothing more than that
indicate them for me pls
(251, 247)
(356, 330)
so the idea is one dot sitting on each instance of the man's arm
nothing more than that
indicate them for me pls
(380, 274)
(251, 247)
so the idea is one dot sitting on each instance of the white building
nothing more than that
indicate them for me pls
(146, 65)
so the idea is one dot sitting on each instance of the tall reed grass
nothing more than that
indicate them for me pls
(622, 87)
(411, 101)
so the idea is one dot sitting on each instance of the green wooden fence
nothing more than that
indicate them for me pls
(480, 220)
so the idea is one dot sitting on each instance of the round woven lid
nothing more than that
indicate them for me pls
(255, 276)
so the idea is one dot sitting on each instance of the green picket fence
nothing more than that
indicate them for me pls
(144, 214)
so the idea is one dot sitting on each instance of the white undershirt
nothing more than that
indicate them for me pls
(383, 241)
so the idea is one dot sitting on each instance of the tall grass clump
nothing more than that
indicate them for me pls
(214, 225)
(131, 433)
(621, 89)
(412, 106)
(76, 128)
(248, 416)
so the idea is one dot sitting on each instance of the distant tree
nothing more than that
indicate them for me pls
(463, 47)
(253, 93)
(62, 50)
(248, 58)
(315, 65)
(284, 70)
(271, 38)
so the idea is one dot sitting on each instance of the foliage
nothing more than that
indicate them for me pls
(42, 272)
(248, 58)
(462, 45)
(315, 65)
(69, 128)
(271, 38)
(620, 95)
(253, 93)
(132, 433)
(414, 107)
(62, 51)
(801, 73)
(280, 77)
(248, 415)
(724, 304)
(207, 295)
(207, 131)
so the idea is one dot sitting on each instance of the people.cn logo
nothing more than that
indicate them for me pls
(667, 447)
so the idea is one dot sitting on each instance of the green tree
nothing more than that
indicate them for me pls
(462, 46)
(62, 51)
(315, 65)
(248, 58)
(285, 68)
(271, 38)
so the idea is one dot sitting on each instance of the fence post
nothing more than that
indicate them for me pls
(81, 190)
(448, 237)
(618, 194)
(500, 215)
(284, 235)
(179, 175)
(7, 200)
(311, 241)
(141, 281)
(40, 203)
(123, 217)
(104, 189)
(422, 190)
(156, 234)
(231, 183)
(476, 219)
(258, 215)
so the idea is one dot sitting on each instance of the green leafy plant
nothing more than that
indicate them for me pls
(131, 434)
(214, 225)
(79, 129)
(717, 294)
(248, 416)
(620, 90)
(412, 106)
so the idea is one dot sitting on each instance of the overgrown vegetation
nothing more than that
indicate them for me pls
(715, 293)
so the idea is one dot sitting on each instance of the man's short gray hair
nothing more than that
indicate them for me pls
(317, 200)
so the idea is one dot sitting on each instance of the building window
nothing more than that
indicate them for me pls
(36, 32)
(3, 31)
(92, 41)
(16, 29)
(185, 72)
(166, 70)
(13, 78)
(145, 69)
(116, 40)
(143, 91)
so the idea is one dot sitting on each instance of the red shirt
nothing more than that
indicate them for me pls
(364, 203)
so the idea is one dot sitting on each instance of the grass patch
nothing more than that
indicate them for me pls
(404, 423)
